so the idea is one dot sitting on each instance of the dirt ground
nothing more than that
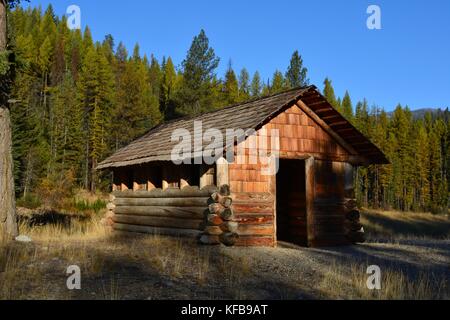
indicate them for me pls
(170, 269)
(156, 267)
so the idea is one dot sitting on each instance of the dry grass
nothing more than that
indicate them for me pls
(350, 282)
(395, 225)
(158, 267)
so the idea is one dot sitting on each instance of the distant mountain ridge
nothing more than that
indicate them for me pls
(420, 113)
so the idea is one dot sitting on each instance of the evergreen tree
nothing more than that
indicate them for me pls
(230, 87)
(169, 85)
(328, 92)
(199, 68)
(244, 85)
(255, 87)
(278, 83)
(347, 107)
(296, 75)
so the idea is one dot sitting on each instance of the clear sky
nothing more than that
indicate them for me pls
(407, 61)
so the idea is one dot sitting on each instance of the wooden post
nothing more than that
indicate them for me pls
(310, 185)
(273, 191)
(222, 175)
(150, 186)
(349, 181)
(206, 176)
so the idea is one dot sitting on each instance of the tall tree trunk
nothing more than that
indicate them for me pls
(8, 223)
(7, 197)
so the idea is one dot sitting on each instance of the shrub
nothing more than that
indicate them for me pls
(30, 201)
(84, 206)
(54, 189)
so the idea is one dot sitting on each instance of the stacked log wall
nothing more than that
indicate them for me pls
(179, 212)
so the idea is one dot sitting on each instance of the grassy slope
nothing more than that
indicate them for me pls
(395, 225)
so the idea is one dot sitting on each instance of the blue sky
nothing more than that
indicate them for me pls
(407, 62)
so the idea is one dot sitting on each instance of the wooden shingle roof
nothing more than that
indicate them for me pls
(156, 145)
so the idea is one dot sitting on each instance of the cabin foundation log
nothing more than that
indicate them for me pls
(157, 231)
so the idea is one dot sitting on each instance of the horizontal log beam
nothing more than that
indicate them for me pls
(255, 241)
(170, 212)
(184, 233)
(256, 208)
(162, 222)
(253, 197)
(255, 230)
(187, 192)
(162, 202)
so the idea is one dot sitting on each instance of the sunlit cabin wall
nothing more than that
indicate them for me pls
(254, 193)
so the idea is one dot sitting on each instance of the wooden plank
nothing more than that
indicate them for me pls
(184, 233)
(163, 202)
(253, 241)
(171, 212)
(309, 199)
(255, 230)
(254, 219)
(253, 208)
(206, 176)
(327, 128)
(222, 172)
(163, 222)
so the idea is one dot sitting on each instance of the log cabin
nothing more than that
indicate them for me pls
(303, 195)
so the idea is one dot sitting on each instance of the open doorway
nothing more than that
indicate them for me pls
(291, 202)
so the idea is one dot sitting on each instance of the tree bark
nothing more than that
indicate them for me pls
(8, 223)
(3, 24)
(7, 197)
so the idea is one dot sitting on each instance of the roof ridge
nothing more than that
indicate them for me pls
(238, 104)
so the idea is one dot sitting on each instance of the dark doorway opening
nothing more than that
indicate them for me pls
(291, 202)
